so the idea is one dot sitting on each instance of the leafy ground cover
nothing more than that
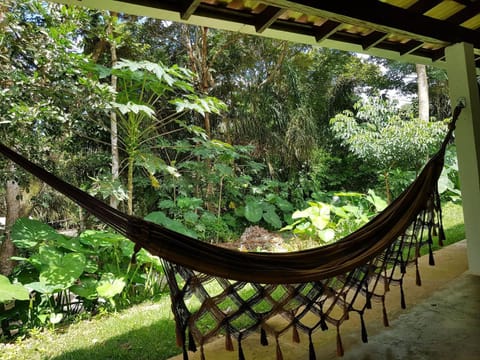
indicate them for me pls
(144, 331)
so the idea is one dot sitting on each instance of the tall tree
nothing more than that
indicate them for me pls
(42, 100)
(423, 98)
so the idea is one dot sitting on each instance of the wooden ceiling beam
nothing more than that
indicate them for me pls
(466, 13)
(411, 46)
(189, 8)
(373, 39)
(423, 6)
(328, 28)
(383, 17)
(267, 17)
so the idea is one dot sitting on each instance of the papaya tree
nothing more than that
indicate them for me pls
(150, 102)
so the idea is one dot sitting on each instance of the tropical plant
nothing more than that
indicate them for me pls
(150, 100)
(380, 136)
(66, 275)
(325, 222)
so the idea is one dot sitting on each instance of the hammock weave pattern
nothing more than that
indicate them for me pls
(215, 290)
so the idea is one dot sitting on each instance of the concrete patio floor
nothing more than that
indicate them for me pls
(442, 321)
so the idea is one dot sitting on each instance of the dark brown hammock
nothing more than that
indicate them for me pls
(241, 292)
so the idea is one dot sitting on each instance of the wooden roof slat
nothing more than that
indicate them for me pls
(189, 8)
(267, 17)
(328, 28)
(373, 39)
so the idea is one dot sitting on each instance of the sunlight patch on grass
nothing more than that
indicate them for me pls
(145, 331)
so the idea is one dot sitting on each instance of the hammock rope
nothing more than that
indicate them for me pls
(242, 292)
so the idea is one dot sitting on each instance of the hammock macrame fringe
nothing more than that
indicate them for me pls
(241, 293)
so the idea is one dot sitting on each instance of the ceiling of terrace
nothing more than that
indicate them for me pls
(415, 30)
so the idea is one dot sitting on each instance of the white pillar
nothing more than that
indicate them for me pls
(462, 83)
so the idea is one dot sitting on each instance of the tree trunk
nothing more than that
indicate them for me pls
(7, 248)
(423, 99)
(113, 115)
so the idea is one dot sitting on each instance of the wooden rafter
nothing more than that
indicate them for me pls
(423, 6)
(328, 28)
(411, 46)
(373, 39)
(466, 13)
(267, 17)
(189, 8)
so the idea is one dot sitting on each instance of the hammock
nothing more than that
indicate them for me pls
(242, 292)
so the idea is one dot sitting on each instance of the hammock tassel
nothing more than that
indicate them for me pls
(386, 284)
(402, 296)
(311, 348)
(263, 337)
(418, 278)
(295, 334)
(323, 324)
(368, 302)
(441, 236)
(191, 342)
(364, 328)
(279, 351)
(431, 259)
(346, 315)
(384, 311)
(228, 341)
(241, 356)
(340, 351)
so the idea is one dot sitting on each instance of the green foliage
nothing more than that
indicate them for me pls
(326, 222)
(10, 292)
(449, 183)
(63, 273)
(380, 136)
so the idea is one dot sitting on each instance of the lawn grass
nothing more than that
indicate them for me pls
(145, 331)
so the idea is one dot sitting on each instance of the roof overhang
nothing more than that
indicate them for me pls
(408, 30)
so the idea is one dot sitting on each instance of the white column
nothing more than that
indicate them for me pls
(462, 83)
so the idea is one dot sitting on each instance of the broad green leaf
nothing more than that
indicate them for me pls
(159, 217)
(9, 291)
(28, 233)
(327, 235)
(46, 257)
(109, 286)
(253, 211)
(377, 201)
(284, 205)
(42, 288)
(86, 288)
(320, 222)
(144, 257)
(100, 238)
(63, 273)
(444, 183)
(273, 219)
(72, 244)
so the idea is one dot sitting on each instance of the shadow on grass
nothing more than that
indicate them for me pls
(150, 342)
